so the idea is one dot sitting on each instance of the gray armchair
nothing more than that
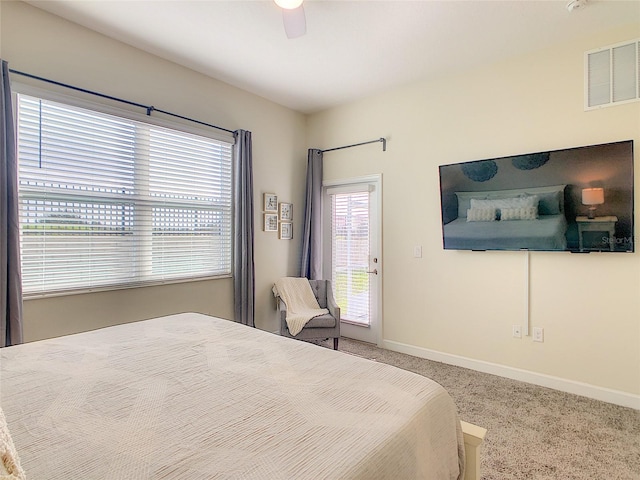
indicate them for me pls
(324, 326)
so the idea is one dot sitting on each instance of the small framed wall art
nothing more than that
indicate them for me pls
(270, 203)
(285, 231)
(286, 212)
(270, 222)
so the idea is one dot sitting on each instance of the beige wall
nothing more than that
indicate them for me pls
(36, 42)
(464, 303)
(459, 303)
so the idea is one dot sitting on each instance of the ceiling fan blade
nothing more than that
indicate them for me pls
(295, 23)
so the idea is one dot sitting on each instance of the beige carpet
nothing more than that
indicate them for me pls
(533, 432)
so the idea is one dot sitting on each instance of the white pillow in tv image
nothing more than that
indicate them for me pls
(512, 202)
(522, 213)
(481, 215)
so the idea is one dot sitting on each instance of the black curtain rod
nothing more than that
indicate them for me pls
(383, 140)
(149, 109)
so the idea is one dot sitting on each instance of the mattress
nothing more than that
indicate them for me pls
(545, 233)
(192, 397)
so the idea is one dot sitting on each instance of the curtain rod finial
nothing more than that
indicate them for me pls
(384, 144)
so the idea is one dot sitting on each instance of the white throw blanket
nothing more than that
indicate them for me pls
(301, 303)
(10, 468)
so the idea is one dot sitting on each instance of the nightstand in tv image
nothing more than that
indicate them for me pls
(597, 224)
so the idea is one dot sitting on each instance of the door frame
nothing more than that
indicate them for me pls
(375, 228)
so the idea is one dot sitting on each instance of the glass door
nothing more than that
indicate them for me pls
(353, 261)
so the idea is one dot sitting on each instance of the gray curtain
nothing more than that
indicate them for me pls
(10, 272)
(243, 266)
(311, 265)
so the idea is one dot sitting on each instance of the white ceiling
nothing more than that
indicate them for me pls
(352, 49)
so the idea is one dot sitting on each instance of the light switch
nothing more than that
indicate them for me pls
(417, 251)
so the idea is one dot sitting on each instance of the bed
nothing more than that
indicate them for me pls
(191, 396)
(528, 218)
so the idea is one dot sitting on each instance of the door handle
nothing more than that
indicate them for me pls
(374, 271)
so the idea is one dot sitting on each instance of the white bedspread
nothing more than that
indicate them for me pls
(194, 397)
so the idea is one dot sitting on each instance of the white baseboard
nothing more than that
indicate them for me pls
(616, 397)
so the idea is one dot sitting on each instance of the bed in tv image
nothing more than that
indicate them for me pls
(577, 199)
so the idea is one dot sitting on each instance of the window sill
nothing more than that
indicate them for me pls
(83, 291)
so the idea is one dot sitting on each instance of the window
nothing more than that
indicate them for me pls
(106, 201)
(350, 254)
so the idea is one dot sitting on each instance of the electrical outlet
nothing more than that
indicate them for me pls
(517, 331)
(538, 334)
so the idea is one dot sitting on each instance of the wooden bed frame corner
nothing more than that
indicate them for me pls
(473, 440)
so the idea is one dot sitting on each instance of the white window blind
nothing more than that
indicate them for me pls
(612, 75)
(350, 254)
(107, 201)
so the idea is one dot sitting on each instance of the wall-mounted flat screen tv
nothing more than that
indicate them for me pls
(576, 199)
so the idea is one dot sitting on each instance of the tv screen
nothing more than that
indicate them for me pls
(577, 200)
